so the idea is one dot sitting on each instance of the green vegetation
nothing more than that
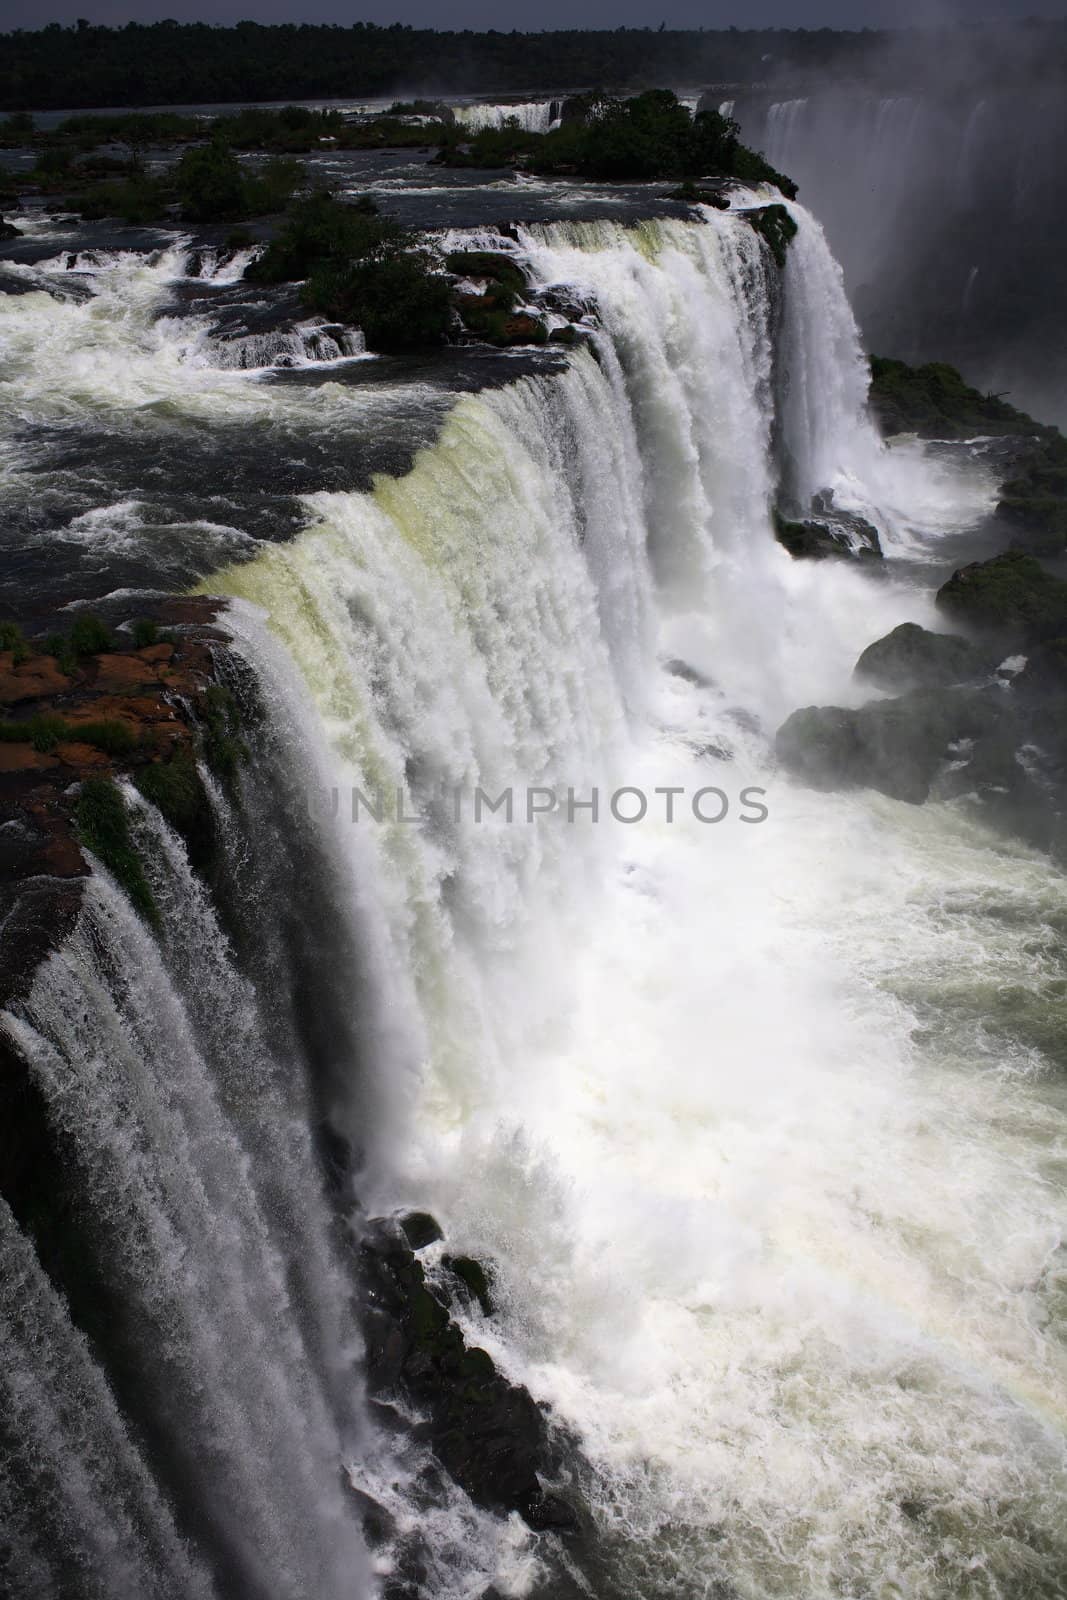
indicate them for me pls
(170, 63)
(359, 267)
(223, 747)
(501, 269)
(103, 827)
(137, 199)
(776, 226)
(1012, 597)
(207, 184)
(174, 788)
(649, 136)
(145, 632)
(1035, 500)
(44, 732)
(213, 186)
(934, 402)
(490, 315)
(13, 639)
(90, 636)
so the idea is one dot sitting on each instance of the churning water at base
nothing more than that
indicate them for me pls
(755, 1125)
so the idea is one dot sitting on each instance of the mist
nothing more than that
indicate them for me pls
(937, 173)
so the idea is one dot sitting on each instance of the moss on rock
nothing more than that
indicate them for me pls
(103, 827)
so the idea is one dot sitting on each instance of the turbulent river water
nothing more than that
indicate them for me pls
(759, 1124)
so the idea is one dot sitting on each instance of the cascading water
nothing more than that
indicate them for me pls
(772, 1213)
(533, 116)
(208, 1256)
(682, 1083)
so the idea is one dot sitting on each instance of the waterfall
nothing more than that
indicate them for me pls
(684, 1087)
(310, 344)
(186, 1151)
(780, 130)
(533, 116)
(77, 1496)
(624, 1068)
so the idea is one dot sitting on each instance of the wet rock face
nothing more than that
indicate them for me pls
(490, 1435)
(914, 658)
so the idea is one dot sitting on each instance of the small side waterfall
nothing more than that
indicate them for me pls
(533, 116)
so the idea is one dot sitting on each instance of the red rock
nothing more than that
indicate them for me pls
(62, 857)
(33, 679)
(125, 672)
(24, 758)
(73, 754)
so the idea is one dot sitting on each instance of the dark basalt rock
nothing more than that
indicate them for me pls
(894, 746)
(914, 658)
(1011, 598)
(420, 1229)
(8, 230)
(471, 1277)
(489, 1435)
(832, 532)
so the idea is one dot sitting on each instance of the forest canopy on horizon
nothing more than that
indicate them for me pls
(170, 63)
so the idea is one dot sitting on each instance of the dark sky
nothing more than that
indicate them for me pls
(546, 14)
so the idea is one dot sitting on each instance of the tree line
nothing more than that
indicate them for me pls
(170, 63)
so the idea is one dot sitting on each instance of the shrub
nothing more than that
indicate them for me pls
(321, 230)
(90, 637)
(174, 788)
(210, 184)
(11, 638)
(776, 226)
(114, 738)
(359, 267)
(399, 303)
(273, 186)
(145, 632)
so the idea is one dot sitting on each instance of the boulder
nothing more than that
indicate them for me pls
(420, 1229)
(914, 658)
(1012, 599)
(894, 746)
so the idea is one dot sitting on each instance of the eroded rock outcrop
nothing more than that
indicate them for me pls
(490, 1435)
